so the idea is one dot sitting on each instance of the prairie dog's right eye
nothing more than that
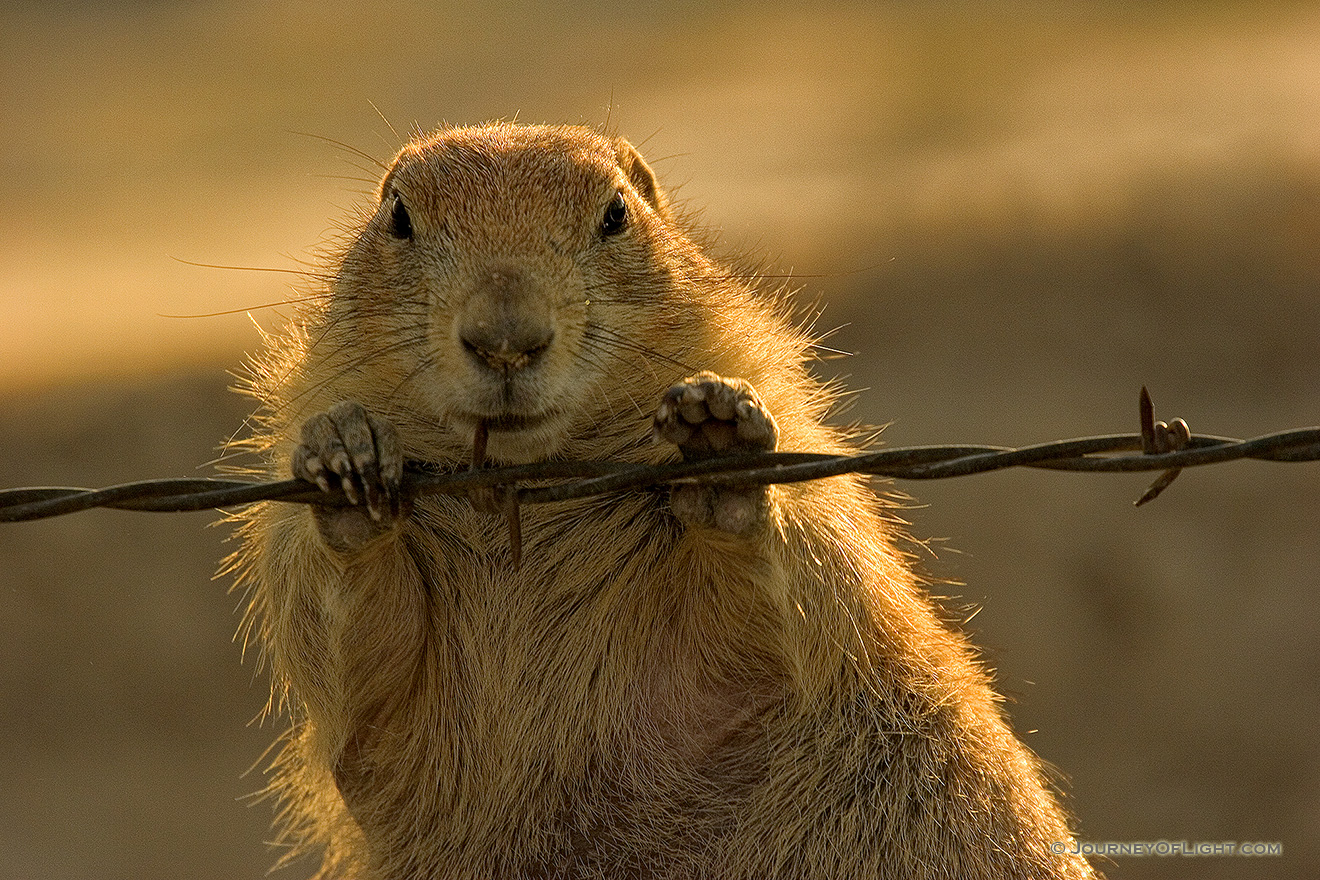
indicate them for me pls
(400, 223)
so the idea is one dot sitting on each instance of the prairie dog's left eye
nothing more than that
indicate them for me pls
(616, 216)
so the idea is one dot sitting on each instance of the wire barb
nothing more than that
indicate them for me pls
(502, 490)
(1157, 438)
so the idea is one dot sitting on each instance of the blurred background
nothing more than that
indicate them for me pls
(1018, 214)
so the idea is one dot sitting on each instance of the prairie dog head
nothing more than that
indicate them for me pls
(502, 274)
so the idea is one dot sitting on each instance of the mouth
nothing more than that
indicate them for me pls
(511, 438)
(511, 423)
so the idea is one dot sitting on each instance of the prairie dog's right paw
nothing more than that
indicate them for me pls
(351, 449)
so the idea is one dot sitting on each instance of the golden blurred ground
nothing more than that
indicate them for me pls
(1021, 213)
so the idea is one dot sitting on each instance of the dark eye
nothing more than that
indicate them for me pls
(616, 216)
(400, 222)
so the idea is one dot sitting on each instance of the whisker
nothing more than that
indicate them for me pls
(424, 363)
(352, 365)
(384, 120)
(348, 148)
(615, 338)
(362, 311)
(370, 181)
(239, 311)
(302, 273)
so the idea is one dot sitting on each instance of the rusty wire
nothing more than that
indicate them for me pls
(1158, 447)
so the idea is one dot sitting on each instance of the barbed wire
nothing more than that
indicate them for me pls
(1158, 447)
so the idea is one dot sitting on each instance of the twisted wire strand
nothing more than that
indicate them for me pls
(588, 478)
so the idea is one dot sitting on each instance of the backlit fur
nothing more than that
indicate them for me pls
(638, 699)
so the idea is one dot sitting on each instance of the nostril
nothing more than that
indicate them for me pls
(508, 351)
(537, 351)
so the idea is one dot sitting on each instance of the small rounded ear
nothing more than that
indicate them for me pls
(642, 178)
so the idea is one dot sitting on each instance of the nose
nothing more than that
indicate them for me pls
(506, 343)
(505, 325)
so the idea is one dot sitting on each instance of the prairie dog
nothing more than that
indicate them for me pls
(708, 684)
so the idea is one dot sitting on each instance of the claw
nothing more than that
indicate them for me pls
(350, 488)
(350, 450)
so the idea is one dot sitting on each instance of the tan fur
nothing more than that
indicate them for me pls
(639, 699)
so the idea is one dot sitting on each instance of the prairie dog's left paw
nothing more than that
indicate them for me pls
(705, 416)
